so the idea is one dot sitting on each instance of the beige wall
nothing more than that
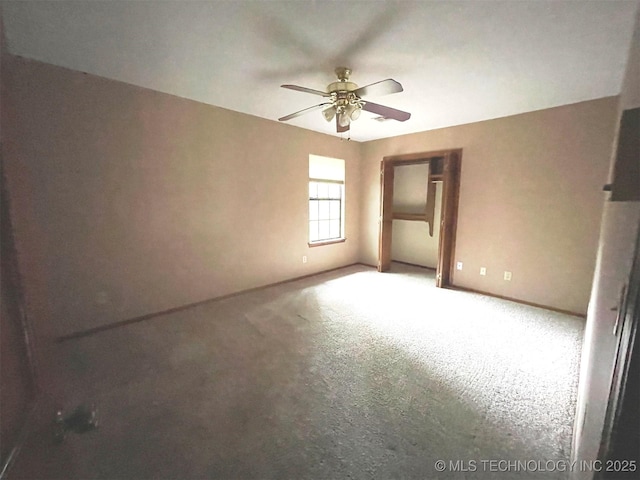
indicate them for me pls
(530, 199)
(410, 188)
(411, 242)
(128, 201)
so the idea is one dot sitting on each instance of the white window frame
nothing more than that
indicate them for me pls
(326, 204)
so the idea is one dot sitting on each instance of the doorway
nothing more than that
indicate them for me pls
(443, 166)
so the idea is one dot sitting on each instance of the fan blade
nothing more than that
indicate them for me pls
(301, 112)
(339, 128)
(306, 90)
(383, 87)
(386, 112)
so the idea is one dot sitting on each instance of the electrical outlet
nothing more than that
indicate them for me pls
(507, 276)
(483, 271)
(459, 266)
(304, 259)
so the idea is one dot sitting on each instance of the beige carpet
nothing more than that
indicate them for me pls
(349, 374)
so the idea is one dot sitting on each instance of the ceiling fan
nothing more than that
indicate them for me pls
(345, 101)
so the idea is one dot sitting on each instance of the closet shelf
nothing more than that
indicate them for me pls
(409, 216)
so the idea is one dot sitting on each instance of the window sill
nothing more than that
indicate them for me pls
(326, 242)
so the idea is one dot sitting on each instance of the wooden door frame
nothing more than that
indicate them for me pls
(449, 173)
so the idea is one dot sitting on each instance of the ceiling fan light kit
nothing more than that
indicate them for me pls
(345, 102)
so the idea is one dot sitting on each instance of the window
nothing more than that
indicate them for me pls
(325, 210)
(326, 200)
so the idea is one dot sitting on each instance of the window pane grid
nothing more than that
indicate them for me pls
(325, 210)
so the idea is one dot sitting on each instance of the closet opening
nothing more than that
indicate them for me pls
(418, 211)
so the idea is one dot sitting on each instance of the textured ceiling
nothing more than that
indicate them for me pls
(459, 62)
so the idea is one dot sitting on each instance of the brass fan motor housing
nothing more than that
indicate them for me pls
(343, 84)
(341, 87)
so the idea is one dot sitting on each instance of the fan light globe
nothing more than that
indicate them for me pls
(329, 113)
(355, 113)
(344, 120)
